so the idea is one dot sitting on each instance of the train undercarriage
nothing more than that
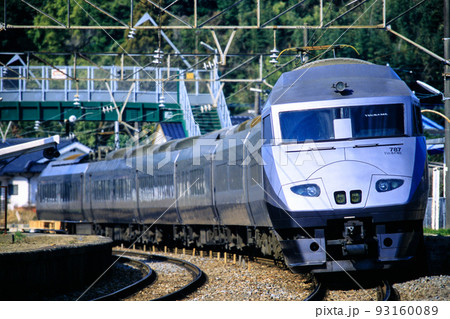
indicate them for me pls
(250, 241)
(353, 245)
(346, 246)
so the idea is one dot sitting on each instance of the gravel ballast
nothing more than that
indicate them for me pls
(264, 282)
(248, 281)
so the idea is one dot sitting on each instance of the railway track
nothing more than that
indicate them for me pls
(385, 292)
(197, 277)
(318, 293)
(148, 279)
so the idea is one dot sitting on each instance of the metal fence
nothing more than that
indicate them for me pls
(435, 216)
(45, 83)
(100, 84)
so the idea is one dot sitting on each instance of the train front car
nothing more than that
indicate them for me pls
(345, 170)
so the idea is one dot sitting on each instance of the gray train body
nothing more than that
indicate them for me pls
(331, 177)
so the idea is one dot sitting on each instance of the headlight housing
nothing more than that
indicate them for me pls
(308, 190)
(386, 185)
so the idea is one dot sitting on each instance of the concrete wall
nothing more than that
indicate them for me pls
(27, 275)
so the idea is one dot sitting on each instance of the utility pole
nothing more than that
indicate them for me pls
(257, 107)
(116, 135)
(447, 109)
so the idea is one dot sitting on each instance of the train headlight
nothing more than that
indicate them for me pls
(340, 198)
(386, 185)
(355, 197)
(309, 190)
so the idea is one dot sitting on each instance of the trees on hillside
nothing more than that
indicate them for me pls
(424, 25)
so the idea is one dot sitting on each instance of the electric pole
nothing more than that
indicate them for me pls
(447, 109)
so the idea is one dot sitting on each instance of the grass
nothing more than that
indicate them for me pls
(18, 237)
(441, 232)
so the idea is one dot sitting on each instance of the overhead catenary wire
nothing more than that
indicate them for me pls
(123, 49)
(323, 53)
(321, 47)
(405, 12)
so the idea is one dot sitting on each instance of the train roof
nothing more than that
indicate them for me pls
(58, 168)
(314, 82)
(180, 144)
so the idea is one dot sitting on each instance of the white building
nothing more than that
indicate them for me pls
(20, 173)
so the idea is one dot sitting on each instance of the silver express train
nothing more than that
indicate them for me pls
(331, 177)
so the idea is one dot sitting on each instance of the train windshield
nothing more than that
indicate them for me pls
(339, 123)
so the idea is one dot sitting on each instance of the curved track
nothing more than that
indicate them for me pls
(197, 274)
(148, 279)
(318, 293)
(386, 292)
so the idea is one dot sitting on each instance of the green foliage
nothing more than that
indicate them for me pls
(18, 237)
(424, 25)
(440, 232)
(85, 132)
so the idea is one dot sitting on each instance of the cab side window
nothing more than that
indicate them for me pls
(417, 118)
(267, 130)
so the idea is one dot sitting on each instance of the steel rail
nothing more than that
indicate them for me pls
(319, 292)
(127, 291)
(199, 277)
(386, 292)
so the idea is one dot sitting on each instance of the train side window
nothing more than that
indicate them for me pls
(222, 183)
(47, 193)
(417, 125)
(267, 130)
(197, 182)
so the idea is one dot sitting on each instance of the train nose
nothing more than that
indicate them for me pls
(347, 183)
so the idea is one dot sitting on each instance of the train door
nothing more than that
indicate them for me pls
(254, 180)
(88, 198)
(230, 178)
(138, 207)
(245, 166)
(81, 199)
(212, 185)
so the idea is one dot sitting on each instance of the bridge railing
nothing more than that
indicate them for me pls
(222, 108)
(191, 126)
(88, 84)
(45, 83)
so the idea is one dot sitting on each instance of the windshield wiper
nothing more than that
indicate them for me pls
(329, 148)
(376, 145)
